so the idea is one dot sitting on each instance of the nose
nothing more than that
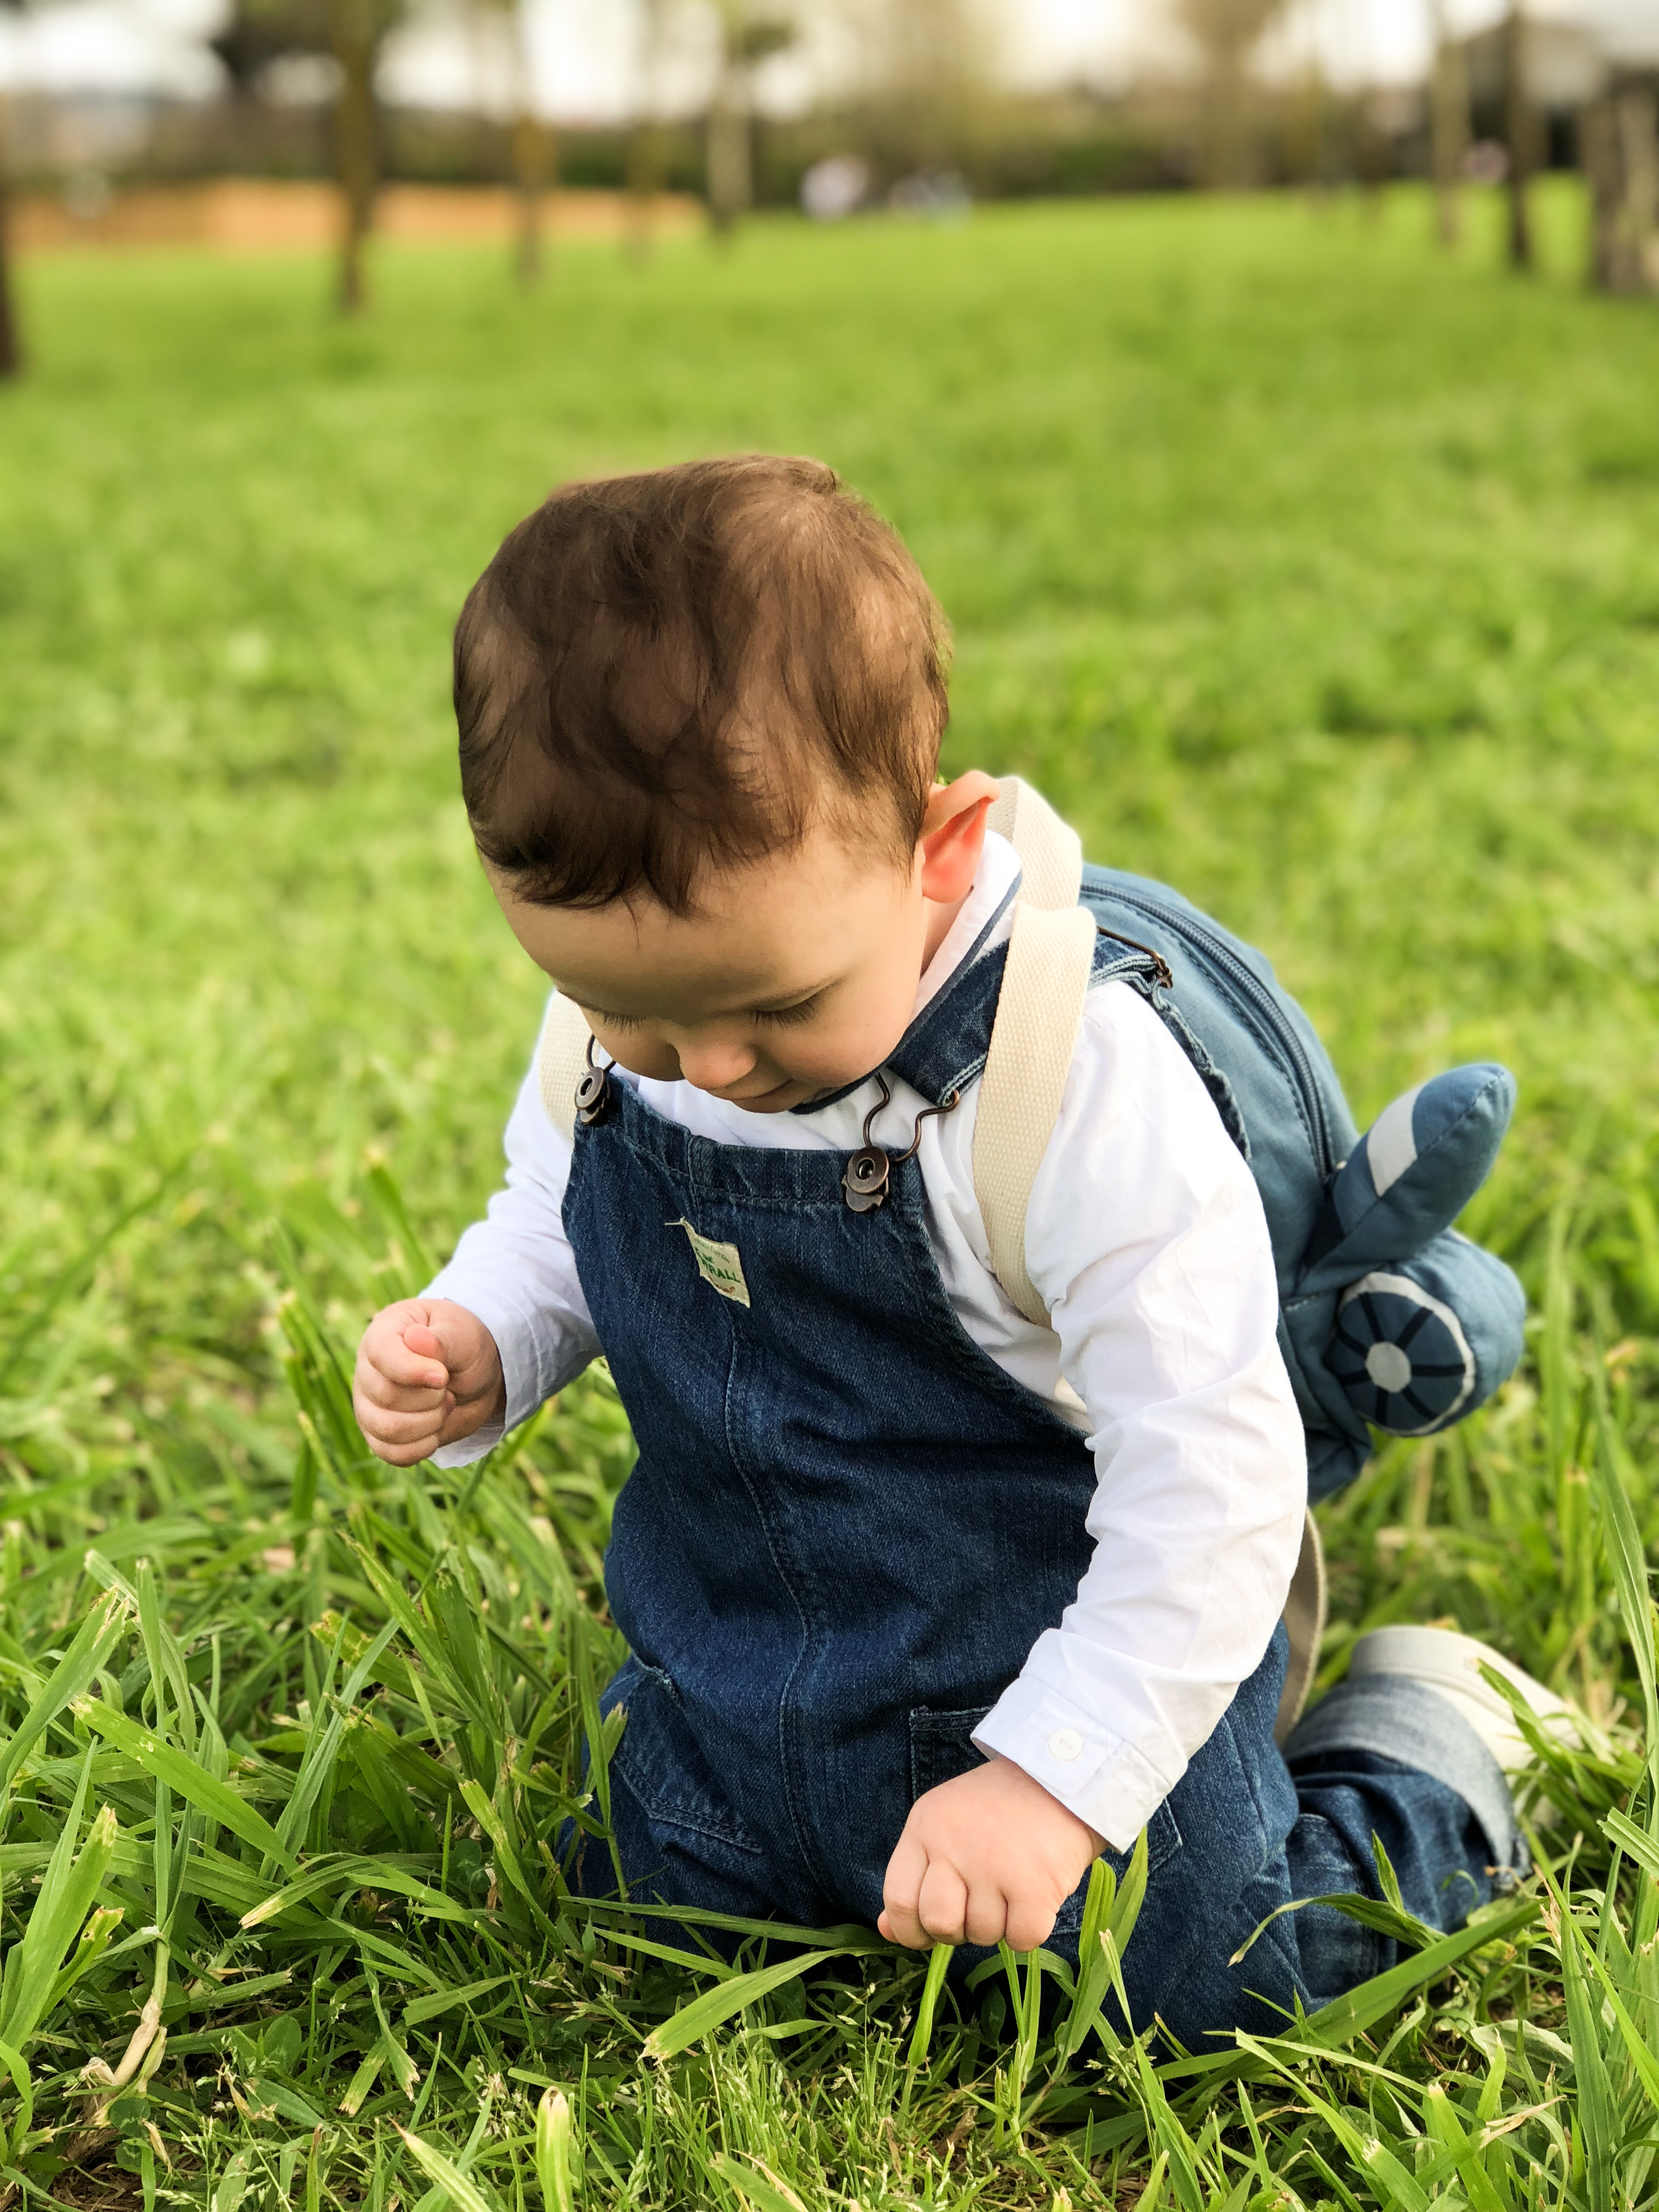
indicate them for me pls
(715, 1063)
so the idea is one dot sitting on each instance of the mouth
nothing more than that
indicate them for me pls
(755, 1100)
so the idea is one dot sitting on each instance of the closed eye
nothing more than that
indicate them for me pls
(784, 1016)
(781, 1016)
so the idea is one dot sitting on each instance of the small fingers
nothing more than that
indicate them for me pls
(410, 1365)
(372, 1394)
(465, 1417)
(370, 1381)
(898, 1922)
(387, 1426)
(1029, 1922)
(942, 1907)
(404, 1454)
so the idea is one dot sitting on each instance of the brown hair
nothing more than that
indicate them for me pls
(663, 673)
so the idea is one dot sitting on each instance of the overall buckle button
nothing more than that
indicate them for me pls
(593, 1091)
(865, 1179)
(593, 1097)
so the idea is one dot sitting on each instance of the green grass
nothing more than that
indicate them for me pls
(1300, 564)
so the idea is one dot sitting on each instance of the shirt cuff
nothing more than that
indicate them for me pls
(1110, 1785)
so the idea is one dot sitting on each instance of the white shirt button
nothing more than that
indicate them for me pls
(1065, 1744)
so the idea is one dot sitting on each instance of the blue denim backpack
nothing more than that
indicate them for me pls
(1388, 1318)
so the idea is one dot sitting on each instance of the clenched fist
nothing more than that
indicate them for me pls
(428, 1374)
(987, 1855)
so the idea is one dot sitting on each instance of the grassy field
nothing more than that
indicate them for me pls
(1300, 564)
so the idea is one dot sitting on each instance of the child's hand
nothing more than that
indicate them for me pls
(987, 1855)
(428, 1374)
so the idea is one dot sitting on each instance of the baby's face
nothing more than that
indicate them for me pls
(795, 975)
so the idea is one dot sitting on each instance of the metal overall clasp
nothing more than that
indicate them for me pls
(866, 1182)
(593, 1091)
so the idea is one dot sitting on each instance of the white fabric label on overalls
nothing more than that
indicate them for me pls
(718, 1264)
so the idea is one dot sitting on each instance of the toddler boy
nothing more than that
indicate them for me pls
(927, 1604)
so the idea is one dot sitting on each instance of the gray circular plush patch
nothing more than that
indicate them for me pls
(1400, 1355)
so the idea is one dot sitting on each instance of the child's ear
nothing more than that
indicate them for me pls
(953, 835)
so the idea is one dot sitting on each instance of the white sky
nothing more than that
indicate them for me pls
(586, 52)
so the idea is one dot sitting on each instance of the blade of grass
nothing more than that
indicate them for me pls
(217, 1799)
(693, 2022)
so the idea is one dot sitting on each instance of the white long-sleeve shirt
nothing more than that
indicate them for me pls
(1147, 1240)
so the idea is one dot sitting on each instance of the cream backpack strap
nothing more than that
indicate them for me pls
(1304, 1617)
(1050, 851)
(1034, 1035)
(1050, 956)
(562, 1060)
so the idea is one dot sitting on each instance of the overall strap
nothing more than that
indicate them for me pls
(562, 1060)
(1034, 1035)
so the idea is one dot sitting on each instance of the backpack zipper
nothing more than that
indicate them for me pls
(1251, 987)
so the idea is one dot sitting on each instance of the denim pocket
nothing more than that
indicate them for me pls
(941, 1747)
(659, 1764)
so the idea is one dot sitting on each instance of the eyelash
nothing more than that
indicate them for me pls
(783, 1018)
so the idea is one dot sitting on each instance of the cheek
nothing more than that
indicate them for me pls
(859, 1041)
(640, 1054)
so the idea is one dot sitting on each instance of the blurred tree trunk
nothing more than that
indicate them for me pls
(535, 159)
(1371, 152)
(1306, 150)
(11, 343)
(928, 72)
(645, 165)
(1619, 136)
(1518, 136)
(746, 37)
(352, 30)
(1225, 129)
(1448, 126)
(1225, 32)
(729, 158)
(645, 152)
(11, 346)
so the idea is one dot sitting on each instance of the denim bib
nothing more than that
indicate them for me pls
(848, 1525)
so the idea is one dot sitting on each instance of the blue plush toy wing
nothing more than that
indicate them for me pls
(1410, 1176)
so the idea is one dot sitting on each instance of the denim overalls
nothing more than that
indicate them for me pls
(847, 1527)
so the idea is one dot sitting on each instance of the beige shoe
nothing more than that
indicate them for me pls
(1450, 1664)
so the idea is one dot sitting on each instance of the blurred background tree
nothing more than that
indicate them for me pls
(1520, 134)
(1226, 33)
(645, 153)
(1620, 144)
(532, 140)
(350, 33)
(356, 30)
(11, 346)
(1449, 124)
(931, 104)
(929, 70)
(749, 34)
